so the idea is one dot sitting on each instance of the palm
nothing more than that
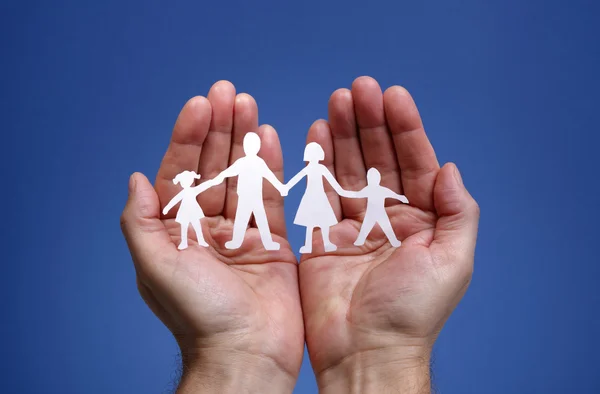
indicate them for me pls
(245, 280)
(363, 298)
(243, 290)
(212, 296)
(372, 288)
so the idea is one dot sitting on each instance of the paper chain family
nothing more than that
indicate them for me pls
(314, 210)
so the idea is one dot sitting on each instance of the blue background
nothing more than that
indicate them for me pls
(90, 91)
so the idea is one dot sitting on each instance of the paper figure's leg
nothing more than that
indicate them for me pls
(386, 226)
(329, 247)
(240, 225)
(198, 228)
(365, 229)
(307, 248)
(260, 217)
(184, 241)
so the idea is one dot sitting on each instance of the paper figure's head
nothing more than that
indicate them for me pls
(313, 152)
(186, 178)
(373, 176)
(251, 144)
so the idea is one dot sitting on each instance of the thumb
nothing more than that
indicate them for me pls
(145, 233)
(458, 213)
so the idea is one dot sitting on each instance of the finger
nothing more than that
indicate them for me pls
(270, 152)
(184, 149)
(320, 133)
(146, 235)
(416, 157)
(348, 162)
(245, 120)
(456, 228)
(376, 140)
(215, 150)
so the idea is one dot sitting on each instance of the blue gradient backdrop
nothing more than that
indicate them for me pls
(89, 93)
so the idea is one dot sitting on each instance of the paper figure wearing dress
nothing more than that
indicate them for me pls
(189, 211)
(375, 213)
(250, 170)
(315, 209)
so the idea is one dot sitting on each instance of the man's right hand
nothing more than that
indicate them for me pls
(372, 313)
(236, 314)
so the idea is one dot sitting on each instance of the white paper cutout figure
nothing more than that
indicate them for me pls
(376, 214)
(189, 211)
(250, 171)
(314, 209)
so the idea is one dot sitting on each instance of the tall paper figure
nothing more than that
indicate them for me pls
(189, 211)
(250, 171)
(376, 214)
(315, 209)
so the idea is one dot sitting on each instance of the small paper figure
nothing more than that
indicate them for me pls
(315, 209)
(189, 211)
(376, 214)
(250, 171)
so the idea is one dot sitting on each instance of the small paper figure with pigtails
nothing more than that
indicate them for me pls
(190, 211)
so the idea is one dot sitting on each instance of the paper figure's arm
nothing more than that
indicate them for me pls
(269, 176)
(391, 194)
(232, 170)
(334, 183)
(173, 202)
(292, 182)
(205, 185)
(359, 194)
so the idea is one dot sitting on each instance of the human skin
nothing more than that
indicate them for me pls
(372, 313)
(235, 314)
(369, 314)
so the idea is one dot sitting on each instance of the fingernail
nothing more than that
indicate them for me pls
(457, 176)
(132, 183)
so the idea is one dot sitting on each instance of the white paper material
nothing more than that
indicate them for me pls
(376, 214)
(189, 210)
(314, 210)
(250, 171)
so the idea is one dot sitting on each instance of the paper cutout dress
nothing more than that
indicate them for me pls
(315, 209)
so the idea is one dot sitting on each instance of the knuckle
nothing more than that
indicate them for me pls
(145, 206)
(124, 220)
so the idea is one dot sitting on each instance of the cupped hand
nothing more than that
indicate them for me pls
(372, 313)
(236, 314)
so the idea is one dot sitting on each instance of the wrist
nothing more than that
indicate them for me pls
(385, 370)
(226, 371)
